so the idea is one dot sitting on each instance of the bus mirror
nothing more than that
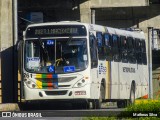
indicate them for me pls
(18, 44)
(23, 33)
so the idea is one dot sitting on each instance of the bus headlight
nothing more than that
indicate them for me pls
(30, 84)
(80, 83)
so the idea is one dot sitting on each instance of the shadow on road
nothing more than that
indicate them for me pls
(45, 106)
(49, 105)
(52, 105)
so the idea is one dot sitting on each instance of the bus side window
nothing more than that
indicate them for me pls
(100, 45)
(99, 38)
(144, 56)
(116, 48)
(108, 47)
(93, 50)
(138, 51)
(131, 52)
(124, 49)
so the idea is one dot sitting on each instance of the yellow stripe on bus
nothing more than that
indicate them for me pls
(108, 72)
(38, 75)
(39, 83)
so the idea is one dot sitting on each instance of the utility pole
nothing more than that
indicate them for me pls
(93, 16)
(150, 39)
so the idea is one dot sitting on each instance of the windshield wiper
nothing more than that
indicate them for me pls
(69, 40)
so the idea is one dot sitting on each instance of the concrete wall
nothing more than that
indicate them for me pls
(122, 14)
(118, 3)
(6, 24)
(87, 5)
(85, 12)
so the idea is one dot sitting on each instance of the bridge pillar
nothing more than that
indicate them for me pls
(7, 52)
(85, 12)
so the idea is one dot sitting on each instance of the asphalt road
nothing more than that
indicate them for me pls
(64, 114)
(45, 118)
(61, 111)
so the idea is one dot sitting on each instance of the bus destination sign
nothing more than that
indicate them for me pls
(56, 31)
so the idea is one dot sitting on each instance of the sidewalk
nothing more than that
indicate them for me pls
(9, 107)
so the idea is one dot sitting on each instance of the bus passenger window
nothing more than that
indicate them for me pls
(131, 52)
(144, 56)
(138, 51)
(124, 49)
(93, 50)
(108, 47)
(100, 45)
(99, 38)
(116, 48)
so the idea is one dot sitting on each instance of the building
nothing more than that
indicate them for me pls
(15, 15)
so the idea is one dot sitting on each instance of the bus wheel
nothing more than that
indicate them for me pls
(97, 104)
(121, 103)
(132, 95)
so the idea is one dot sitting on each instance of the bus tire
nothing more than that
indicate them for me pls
(121, 103)
(132, 95)
(97, 104)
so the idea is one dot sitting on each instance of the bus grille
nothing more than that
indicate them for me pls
(64, 92)
(52, 83)
(66, 79)
(64, 85)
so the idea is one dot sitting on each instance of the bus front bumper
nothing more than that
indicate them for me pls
(56, 94)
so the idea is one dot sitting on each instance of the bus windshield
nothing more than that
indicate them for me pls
(56, 55)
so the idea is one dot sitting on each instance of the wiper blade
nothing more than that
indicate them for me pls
(69, 40)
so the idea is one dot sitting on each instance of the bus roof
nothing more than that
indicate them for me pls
(110, 30)
(134, 34)
(57, 23)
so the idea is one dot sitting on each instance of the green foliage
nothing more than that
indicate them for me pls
(115, 118)
(145, 107)
(100, 118)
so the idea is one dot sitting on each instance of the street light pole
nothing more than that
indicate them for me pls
(93, 16)
(150, 39)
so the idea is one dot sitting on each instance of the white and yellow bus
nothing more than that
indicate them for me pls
(83, 62)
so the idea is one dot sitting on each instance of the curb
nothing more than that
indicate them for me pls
(9, 107)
